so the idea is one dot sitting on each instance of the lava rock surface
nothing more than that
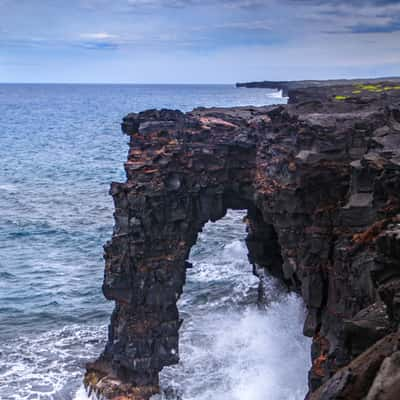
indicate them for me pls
(320, 179)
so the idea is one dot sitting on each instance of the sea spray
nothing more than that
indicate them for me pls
(230, 348)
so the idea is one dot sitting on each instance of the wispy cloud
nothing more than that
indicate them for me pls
(98, 36)
(259, 25)
(325, 34)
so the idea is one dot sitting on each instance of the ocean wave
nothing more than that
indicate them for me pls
(48, 366)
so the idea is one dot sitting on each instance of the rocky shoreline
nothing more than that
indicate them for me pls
(320, 180)
(286, 86)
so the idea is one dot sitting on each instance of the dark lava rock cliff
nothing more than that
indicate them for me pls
(320, 179)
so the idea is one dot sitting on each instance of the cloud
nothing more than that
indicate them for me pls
(256, 25)
(99, 45)
(355, 3)
(390, 27)
(354, 17)
(303, 33)
(98, 36)
(161, 3)
(140, 5)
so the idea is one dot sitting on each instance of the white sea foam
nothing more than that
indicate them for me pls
(48, 366)
(81, 394)
(233, 351)
(277, 95)
(250, 355)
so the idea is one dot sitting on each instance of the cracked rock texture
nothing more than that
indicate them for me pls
(320, 179)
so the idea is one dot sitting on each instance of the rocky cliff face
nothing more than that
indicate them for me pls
(320, 179)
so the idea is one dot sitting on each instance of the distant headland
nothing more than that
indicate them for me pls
(285, 86)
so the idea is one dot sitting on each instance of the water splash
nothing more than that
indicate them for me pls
(230, 349)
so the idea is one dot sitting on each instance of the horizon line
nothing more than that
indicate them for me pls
(115, 83)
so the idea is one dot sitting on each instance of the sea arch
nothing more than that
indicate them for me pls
(292, 174)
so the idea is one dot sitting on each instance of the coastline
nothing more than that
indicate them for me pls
(304, 173)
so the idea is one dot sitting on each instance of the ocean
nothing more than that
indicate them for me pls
(60, 148)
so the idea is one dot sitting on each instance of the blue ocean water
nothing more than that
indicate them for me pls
(60, 148)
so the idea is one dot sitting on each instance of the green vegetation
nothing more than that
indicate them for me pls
(371, 88)
(361, 88)
(341, 97)
(374, 88)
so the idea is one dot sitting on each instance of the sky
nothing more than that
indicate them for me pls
(197, 41)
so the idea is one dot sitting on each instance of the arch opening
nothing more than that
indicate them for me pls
(239, 322)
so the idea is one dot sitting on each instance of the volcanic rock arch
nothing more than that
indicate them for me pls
(173, 189)
(319, 179)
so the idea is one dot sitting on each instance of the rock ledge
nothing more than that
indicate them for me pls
(320, 180)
